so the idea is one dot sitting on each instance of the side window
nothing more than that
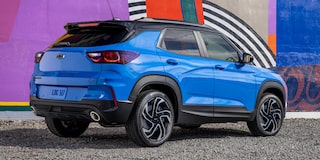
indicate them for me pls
(218, 48)
(181, 42)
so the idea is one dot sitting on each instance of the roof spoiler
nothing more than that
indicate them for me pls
(69, 27)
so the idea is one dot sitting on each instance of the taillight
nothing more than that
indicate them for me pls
(119, 57)
(38, 56)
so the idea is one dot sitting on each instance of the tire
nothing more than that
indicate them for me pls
(189, 126)
(269, 116)
(66, 128)
(151, 122)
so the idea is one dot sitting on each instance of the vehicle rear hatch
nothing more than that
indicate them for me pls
(66, 63)
(67, 57)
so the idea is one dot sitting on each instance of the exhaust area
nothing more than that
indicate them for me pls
(94, 116)
(33, 109)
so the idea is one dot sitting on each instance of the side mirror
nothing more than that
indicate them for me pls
(247, 58)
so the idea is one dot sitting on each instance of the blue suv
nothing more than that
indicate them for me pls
(150, 75)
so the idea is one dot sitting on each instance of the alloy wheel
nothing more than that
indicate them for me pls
(156, 119)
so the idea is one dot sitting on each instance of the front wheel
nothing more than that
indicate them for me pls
(269, 116)
(152, 121)
(66, 128)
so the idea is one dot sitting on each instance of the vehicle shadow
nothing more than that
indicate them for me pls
(102, 138)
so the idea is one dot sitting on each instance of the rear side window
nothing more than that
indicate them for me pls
(181, 42)
(89, 37)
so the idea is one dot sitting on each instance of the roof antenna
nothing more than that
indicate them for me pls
(113, 18)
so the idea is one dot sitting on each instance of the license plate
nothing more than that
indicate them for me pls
(57, 92)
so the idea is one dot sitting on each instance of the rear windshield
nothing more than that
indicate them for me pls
(97, 36)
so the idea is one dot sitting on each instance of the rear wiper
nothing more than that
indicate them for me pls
(62, 44)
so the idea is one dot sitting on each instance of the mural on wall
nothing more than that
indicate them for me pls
(298, 52)
(213, 15)
(303, 86)
(33, 25)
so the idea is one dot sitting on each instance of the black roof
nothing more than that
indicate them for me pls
(143, 23)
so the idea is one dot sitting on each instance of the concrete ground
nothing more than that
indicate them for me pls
(28, 115)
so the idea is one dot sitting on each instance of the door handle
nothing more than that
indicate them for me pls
(172, 62)
(219, 67)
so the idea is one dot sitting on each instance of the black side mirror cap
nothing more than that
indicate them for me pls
(247, 58)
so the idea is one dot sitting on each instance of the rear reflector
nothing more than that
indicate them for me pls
(119, 57)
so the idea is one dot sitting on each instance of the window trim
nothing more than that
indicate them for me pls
(239, 53)
(197, 38)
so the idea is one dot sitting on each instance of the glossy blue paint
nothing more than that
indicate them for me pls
(193, 74)
(202, 81)
(235, 85)
(96, 78)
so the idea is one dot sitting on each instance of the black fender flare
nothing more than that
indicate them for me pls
(158, 80)
(272, 87)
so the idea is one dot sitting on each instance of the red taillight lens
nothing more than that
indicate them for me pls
(119, 57)
(38, 56)
(111, 57)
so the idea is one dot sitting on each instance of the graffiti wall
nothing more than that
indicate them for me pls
(273, 31)
(28, 26)
(298, 51)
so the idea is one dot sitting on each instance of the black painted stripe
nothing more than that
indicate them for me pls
(138, 12)
(258, 47)
(238, 38)
(245, 34)
(243, 23)
(142, 3)
(235, 26)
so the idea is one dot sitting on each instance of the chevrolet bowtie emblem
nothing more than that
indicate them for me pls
(60, 56)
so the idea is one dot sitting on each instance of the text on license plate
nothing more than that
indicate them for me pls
(58, 92)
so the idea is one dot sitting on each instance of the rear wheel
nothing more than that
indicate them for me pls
(66, 128)
(269, 116)
(152, 121)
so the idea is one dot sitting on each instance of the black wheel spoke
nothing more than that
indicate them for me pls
(275, 125)
(263, 111)
(165, 118)
(151, 131)
(267, 124)
(146, 115)
(162, 131)
(156, 104)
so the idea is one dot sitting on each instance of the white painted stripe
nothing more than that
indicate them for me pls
(138, 16)
(232, 38)
(134, 1)
(243, 28)
(241, 35)
(136, 8)
(28, 115)
(304, 115)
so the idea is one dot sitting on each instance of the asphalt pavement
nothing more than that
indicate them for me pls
(31, 140)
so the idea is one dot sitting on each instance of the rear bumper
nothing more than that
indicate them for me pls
(109, 113)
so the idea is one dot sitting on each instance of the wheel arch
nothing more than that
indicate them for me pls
(161, 83)
(275, 88)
